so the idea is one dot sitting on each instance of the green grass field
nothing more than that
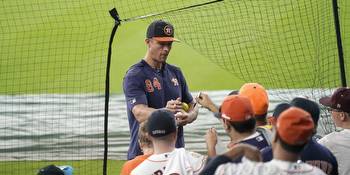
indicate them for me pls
(83, 167)
(59, 51)
(61, 47)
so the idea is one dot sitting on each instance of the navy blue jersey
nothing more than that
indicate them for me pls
(314, 154)
(257, 140)
(144, 85)
(267, 154)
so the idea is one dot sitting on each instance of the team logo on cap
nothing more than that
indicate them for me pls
(168, 30)
(158, 132)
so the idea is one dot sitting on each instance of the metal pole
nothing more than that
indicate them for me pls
(115, 16)
(339, 43)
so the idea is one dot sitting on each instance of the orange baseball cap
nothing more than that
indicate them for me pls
(295, 126)
(258, 97)
(236, 108)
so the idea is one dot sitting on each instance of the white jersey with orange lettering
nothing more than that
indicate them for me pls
(178, 161)
(273, 167)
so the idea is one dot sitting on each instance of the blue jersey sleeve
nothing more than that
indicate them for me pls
(133, 87)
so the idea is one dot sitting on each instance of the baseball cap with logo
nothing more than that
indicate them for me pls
(258, 97)
(51, 170)
(161, 123)
(340, 100)
(236, 108)
(161, 31)
(295, 126)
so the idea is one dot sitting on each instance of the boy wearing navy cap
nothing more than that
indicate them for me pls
(167, 159)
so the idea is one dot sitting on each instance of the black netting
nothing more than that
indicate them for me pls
(53, 61)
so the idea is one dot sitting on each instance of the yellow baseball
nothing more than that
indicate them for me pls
(185, 106)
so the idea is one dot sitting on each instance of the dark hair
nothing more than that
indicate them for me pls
(291, 148)
(261, 118)
(166, 138)
(308, 106)
(234, 92)
(245, 126)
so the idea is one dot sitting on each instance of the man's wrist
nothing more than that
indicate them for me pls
(193, 118)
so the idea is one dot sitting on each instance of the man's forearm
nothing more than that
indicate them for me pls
(211, 151)
(193, 113)
(213, 164)
(142, 112)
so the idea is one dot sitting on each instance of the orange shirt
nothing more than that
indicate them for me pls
(132, 164)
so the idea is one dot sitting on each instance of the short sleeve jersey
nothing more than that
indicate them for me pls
(179, 161)
(257, 140)
(313, 154)
(273, 167)
(132, 164)
(339, 144)
(143, 84)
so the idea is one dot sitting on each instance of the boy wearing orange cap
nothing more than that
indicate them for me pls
(239, 123)
(259, 99)
(258, 96)
(313, 153)
(294, 129)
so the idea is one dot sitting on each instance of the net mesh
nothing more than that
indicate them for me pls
(52, 71)
(288, 46)
(53, 61)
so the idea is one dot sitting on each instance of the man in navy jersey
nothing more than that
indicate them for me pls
(152, 84)
(314, 153)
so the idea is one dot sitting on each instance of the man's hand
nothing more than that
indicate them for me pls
(211, 138)
(174, 105)
(182, 117)
(204, 100)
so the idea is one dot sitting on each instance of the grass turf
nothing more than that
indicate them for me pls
(63, 49)
(82, 167)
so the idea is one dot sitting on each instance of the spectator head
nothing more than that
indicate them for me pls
(161, 125)
(308, 106)
(277, 111)
(294, 129)
(259, 99)
(237, 112)
(144, 140)
(339, 103)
